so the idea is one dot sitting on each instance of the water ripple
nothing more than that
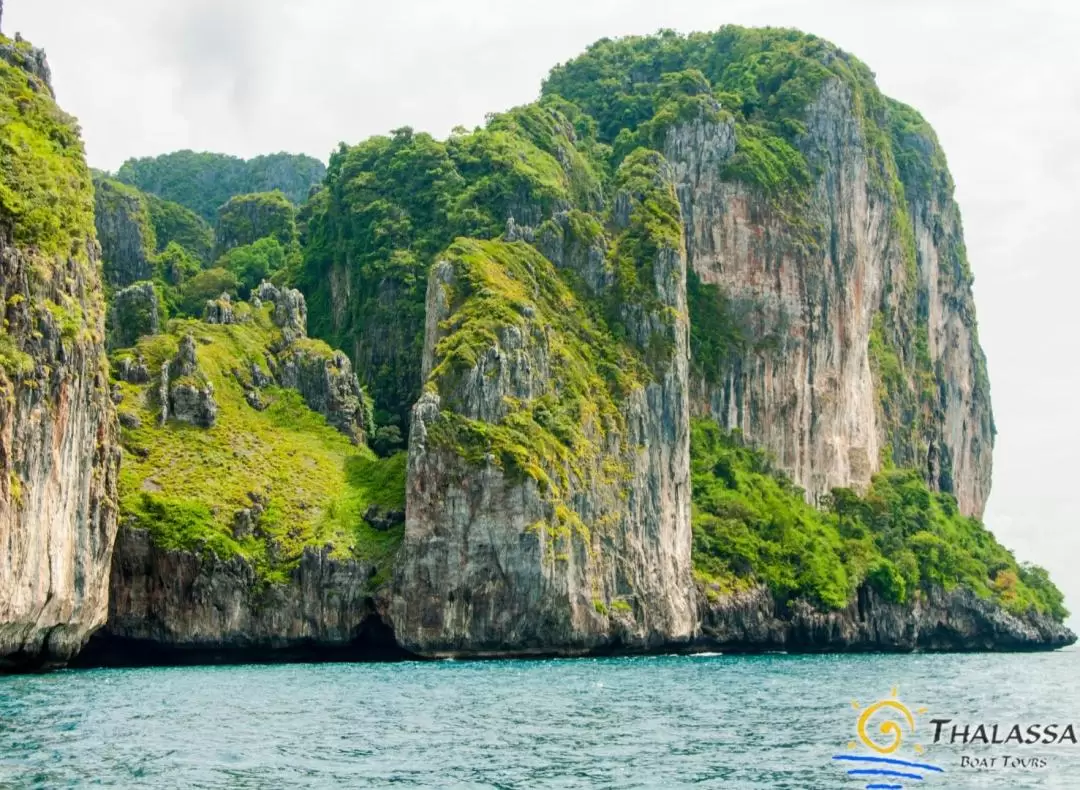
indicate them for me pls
(763, 722)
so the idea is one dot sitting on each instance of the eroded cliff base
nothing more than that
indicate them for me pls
(373, 641)
(180, 607)
(753, 621)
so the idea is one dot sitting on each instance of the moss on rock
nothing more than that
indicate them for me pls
(189, 486)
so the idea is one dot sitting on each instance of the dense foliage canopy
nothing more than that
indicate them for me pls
(752, 525)
(204, 181)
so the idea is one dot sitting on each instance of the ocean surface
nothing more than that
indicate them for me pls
(772, 721)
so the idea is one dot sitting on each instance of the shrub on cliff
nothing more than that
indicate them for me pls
(266, 259)
(175, 224)
(751, 524)
(247, 218)
(207, 284)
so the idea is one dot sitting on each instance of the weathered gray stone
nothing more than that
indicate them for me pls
(328, 386)
(219, 311)
(129, 419)
(953, 621)
(185, 394)
(125, 232)
(382, 519)
(194, 404)
(175, 605)
(259, 377)
(255, 400)
(486, 567)
(135, 311)
(133, 370)
(290, 310)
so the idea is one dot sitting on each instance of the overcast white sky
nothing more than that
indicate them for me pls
(999, 80)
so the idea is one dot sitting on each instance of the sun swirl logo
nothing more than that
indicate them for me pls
(878, 754)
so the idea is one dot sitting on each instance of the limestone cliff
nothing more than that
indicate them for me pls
(687, 355)
(175, 607)
(830, 295)
(58, 444)
(544, 515)
(826, 372)
(126, 233)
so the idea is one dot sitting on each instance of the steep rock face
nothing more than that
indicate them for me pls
(547, 506)
(177, 606)
(243, 532)
(220, 310)
(752, 620)
(513, 544)
(328, 386)
(960, 448)
(186, 394)
(135, 311)
(324, 377)
(125, 231)
(826, 371)
(58, 445)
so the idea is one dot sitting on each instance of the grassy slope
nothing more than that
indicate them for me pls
(185, 483)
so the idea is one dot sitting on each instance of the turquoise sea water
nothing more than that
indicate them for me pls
(772, 721)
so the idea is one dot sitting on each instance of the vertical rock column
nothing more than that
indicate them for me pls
(59, 455)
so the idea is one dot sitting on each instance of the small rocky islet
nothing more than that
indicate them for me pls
(681, 356)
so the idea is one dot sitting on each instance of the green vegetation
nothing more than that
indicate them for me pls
(203, 182)
(763, 79)
(583, 166)
(175, 265)
(247, 218)
(500, 287)
(266, 259)
(652, 226)
(920, 161)
(752, 525)
(207, 284)
(46, 209)
(186, 484)
(393, 203)
(716, 335)
(174, 224)
(145, 237)
(45, 196)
